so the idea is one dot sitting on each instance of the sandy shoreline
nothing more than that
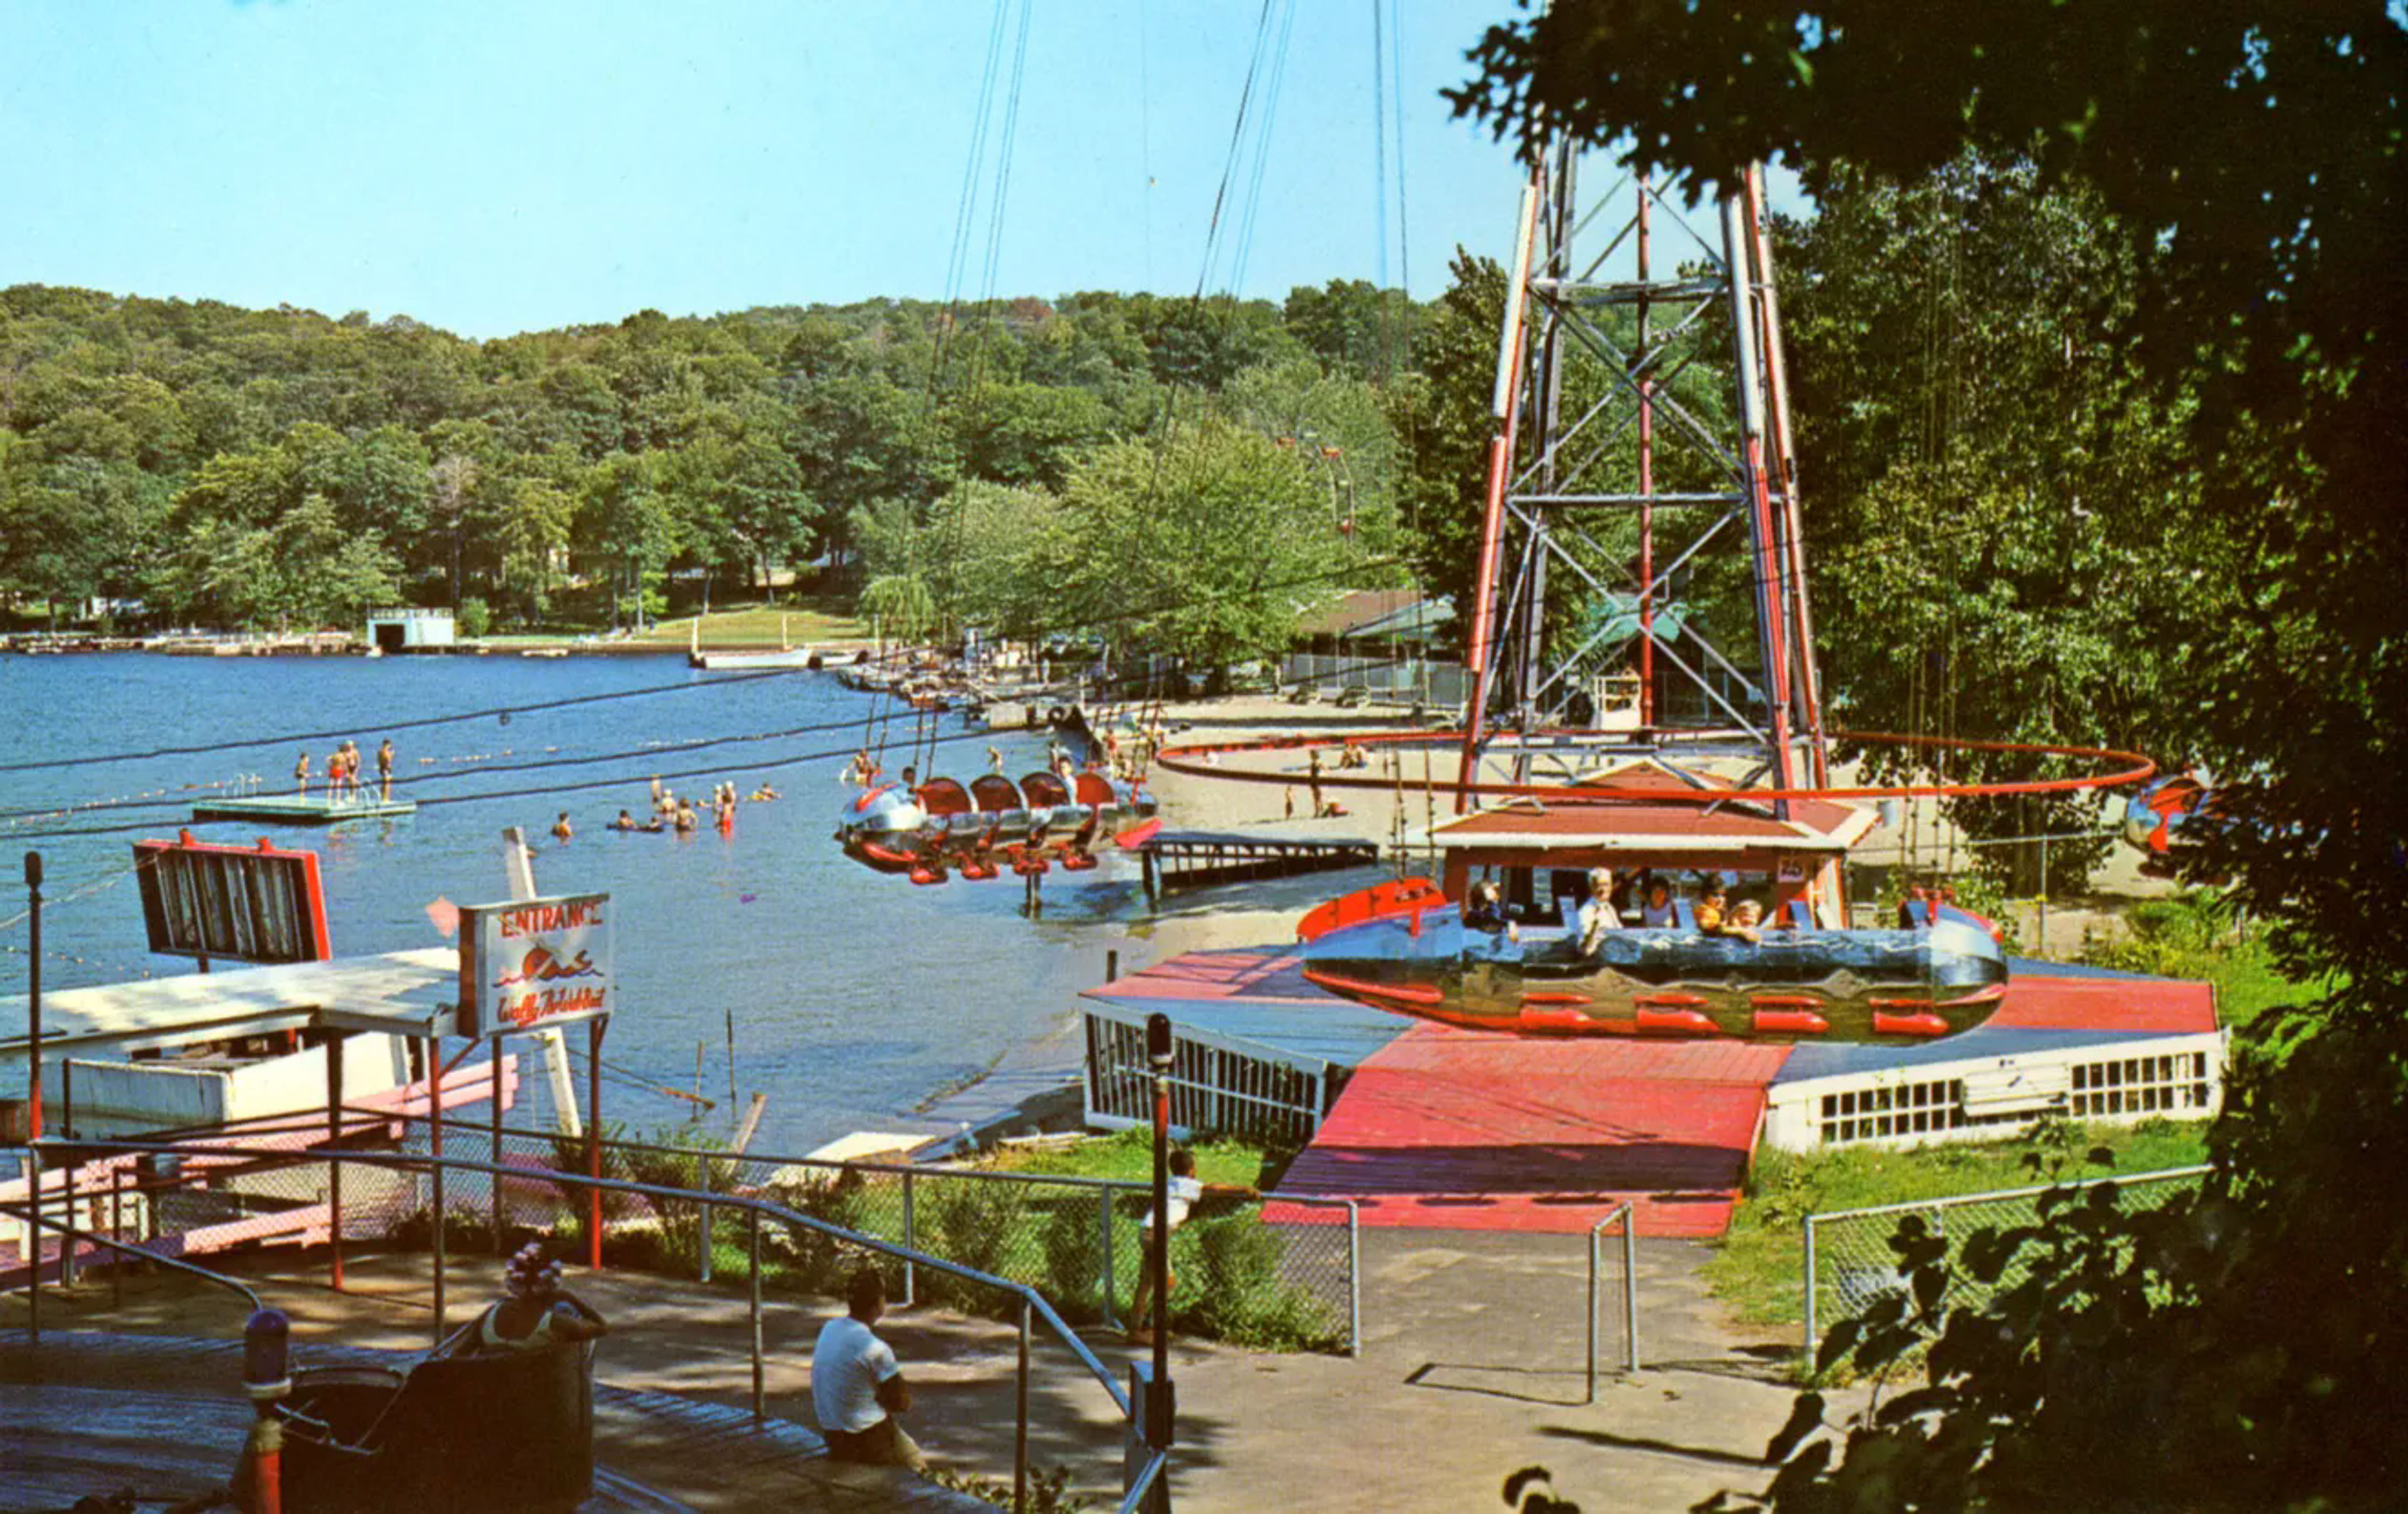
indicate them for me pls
(1259, 914)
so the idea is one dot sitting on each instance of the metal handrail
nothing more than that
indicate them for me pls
(908, 1170)
(1142, 1487)
(608, 1143)
(1623, 1212)
(1031, 1300)
(30, 1212)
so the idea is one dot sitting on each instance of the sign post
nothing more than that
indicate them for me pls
(543, 962)
(1159, 1051)
(533, 961)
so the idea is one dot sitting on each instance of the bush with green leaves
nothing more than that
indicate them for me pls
(1230, 1288)
(1074, 1258)
(808, 1260)
(681, 1220)
(2234, 1349)
(977, 1224)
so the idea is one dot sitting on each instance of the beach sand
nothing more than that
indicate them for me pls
(1265, 913)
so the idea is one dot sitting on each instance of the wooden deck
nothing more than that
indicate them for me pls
(91, 1413)
(302, 809)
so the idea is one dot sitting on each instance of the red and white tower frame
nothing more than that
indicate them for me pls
(1575, 466)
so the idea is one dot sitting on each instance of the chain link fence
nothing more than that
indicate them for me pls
(1286, 1281)
(1849, 1263)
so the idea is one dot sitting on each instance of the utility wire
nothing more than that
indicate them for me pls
(390, 725)
(725, 770)
(630, 755)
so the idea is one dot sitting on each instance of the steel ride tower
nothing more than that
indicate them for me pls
(1590, 427)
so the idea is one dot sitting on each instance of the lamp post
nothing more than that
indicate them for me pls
(34, 998)
(266, 1376)
(32, 1233)
(1158, 1051)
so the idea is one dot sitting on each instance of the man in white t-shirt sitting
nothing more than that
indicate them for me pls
(1185, 1190)
(857, 1386)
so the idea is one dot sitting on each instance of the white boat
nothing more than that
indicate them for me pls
(722, 661)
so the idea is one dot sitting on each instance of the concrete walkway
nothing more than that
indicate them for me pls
(1473, 1366)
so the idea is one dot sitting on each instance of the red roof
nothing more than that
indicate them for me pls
(1631, 824)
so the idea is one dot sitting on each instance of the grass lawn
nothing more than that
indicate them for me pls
(1130, 1155)
(2195, 935)
(760, 625)
(1758, 1270)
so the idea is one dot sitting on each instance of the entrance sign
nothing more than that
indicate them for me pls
(232, 904)
(533, 961)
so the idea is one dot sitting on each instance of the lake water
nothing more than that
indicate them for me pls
(854, 994)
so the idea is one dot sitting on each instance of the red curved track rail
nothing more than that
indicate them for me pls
(2140, 769)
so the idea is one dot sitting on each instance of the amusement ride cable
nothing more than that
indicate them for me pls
(957, 257)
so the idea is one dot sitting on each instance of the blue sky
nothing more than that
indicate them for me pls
(510, 164)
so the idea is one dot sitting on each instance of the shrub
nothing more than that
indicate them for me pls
(682, 1219)
(974, 1223)
(475, 617)
(808, 1259)
(1230, 1288)
(1074, 1260)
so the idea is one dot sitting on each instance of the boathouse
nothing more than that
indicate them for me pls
(409, 629)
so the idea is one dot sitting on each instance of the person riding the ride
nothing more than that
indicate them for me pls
(533, 1312)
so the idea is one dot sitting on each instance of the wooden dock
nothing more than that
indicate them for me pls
(302, 809)
(1179, 859)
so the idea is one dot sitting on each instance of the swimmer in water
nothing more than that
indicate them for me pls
(624, 822)
(560, 829)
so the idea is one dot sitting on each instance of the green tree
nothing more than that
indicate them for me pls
(328, 575)
(2240, 1351)
(2003, 526)
(1443, 425)
(1340, 429)
(624, 522)
(1353, 327)
(1206, 546)
(1027, 434)
(534, 534)
(900, 606)
(995, 551)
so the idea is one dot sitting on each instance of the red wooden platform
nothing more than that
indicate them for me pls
(1470, 1130)
(2063, 1000)
(1455, 1129)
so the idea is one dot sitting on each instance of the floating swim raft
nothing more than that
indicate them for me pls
(299, 810)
